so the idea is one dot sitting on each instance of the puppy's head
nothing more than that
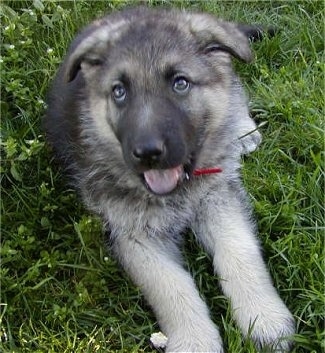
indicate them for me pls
(158, 83)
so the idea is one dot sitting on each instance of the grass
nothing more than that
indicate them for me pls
(60, 290)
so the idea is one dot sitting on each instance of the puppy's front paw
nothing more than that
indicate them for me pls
(266, 320)
(197, 341)
(194, 348)
(274, 333)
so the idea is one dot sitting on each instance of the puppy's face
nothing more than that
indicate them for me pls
(160, 83)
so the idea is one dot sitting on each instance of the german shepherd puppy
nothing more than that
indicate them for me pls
(150, 121)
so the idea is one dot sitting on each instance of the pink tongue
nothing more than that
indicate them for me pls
(163, 181)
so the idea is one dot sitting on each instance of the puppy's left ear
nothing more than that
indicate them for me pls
(216, 35)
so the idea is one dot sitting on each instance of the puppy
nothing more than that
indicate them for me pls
(150, 121)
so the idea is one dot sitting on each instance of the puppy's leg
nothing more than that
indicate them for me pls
(154, 265)
(247, 137)
(224, 228)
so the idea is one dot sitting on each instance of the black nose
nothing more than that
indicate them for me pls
(149, 151)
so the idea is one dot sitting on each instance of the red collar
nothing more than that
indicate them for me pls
(205, 171)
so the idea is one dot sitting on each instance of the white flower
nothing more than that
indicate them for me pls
(49, 51)
(158, 340)
(11, 26)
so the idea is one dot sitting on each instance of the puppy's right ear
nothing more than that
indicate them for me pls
(85, 63)
(90, 48)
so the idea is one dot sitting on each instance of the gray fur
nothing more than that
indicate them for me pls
(110, 143)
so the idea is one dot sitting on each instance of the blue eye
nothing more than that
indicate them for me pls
(181, 85)
(119, 92)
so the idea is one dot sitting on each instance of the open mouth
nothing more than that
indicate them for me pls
(164, 181)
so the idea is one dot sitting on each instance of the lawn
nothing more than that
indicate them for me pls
(60, 289)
